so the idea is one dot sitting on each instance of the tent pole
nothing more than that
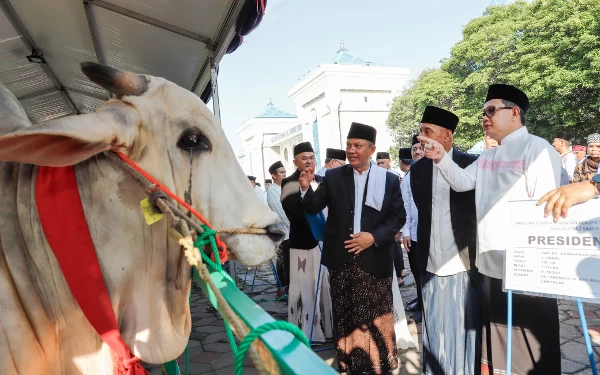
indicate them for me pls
(215, 91)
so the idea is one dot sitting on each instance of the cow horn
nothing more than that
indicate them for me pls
(116, 81)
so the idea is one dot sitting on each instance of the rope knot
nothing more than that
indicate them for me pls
(205, 237)
(156, 194)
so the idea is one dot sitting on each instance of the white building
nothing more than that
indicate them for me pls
(257, 134)
(328, 99)
(345, 90)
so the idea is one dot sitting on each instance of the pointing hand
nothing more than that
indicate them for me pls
(432, 149)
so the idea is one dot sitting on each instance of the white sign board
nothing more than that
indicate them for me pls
(555, 259)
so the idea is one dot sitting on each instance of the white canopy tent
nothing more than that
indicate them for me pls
(180, 40)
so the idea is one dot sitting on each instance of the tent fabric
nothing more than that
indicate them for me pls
(166, 39)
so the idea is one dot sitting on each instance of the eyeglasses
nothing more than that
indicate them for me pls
(491, 111)
(307, 158)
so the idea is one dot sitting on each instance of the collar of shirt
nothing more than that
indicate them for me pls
(515, 136)
(357, 173)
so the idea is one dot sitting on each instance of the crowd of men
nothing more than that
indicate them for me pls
(449, 210)
(579, 163)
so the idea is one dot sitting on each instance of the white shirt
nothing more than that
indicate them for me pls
(444, 259)
(360, 183)
(522, 167)
(260, 194)
(412, 215)
(274, 202)
(569, 163)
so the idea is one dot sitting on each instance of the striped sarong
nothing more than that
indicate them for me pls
(452, 313)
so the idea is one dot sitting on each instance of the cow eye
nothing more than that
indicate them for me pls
(193, 140)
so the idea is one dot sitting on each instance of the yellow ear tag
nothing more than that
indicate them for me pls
(149, 214)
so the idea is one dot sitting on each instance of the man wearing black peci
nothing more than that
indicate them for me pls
(451, 284)
(365, 212)
(304, 257)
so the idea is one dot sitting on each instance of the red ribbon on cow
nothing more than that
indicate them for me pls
(64, 224)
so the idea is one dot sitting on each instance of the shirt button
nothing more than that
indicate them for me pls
(351, 212)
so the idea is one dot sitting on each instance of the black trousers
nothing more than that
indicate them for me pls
(398, 259)
(414, 268)
(283, 263)
(535, 332)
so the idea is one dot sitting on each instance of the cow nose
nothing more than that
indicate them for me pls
(276, 233)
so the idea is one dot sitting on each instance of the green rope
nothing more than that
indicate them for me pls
(208, 238)
(231, 338)
(254, 334)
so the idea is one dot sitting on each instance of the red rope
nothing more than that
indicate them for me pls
(159, 186)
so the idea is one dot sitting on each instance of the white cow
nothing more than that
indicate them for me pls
(170, 133)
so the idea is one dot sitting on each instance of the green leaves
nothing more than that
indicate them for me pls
(550, 49)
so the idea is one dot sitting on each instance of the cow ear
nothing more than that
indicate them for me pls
(70, 140)
(118, 82)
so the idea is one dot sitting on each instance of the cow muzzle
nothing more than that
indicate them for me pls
(276, 233)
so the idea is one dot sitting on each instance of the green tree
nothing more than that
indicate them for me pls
(550, 49)
(432, 87)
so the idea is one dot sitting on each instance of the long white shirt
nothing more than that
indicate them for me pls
(274, 202)
(412, 215)
(444, 259)
(569, 163)
(360, 183)
(522, 167)
(260, 194)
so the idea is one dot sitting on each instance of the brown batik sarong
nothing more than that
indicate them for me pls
(363, 321)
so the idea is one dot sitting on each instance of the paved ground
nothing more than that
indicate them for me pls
(210, 352)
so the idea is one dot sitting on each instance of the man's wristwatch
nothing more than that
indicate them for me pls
(596, 182)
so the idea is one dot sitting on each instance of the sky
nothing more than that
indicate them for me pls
(296, 36)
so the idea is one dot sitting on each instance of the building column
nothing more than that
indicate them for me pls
(333, 99)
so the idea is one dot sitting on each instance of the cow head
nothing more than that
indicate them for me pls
(170, 133)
